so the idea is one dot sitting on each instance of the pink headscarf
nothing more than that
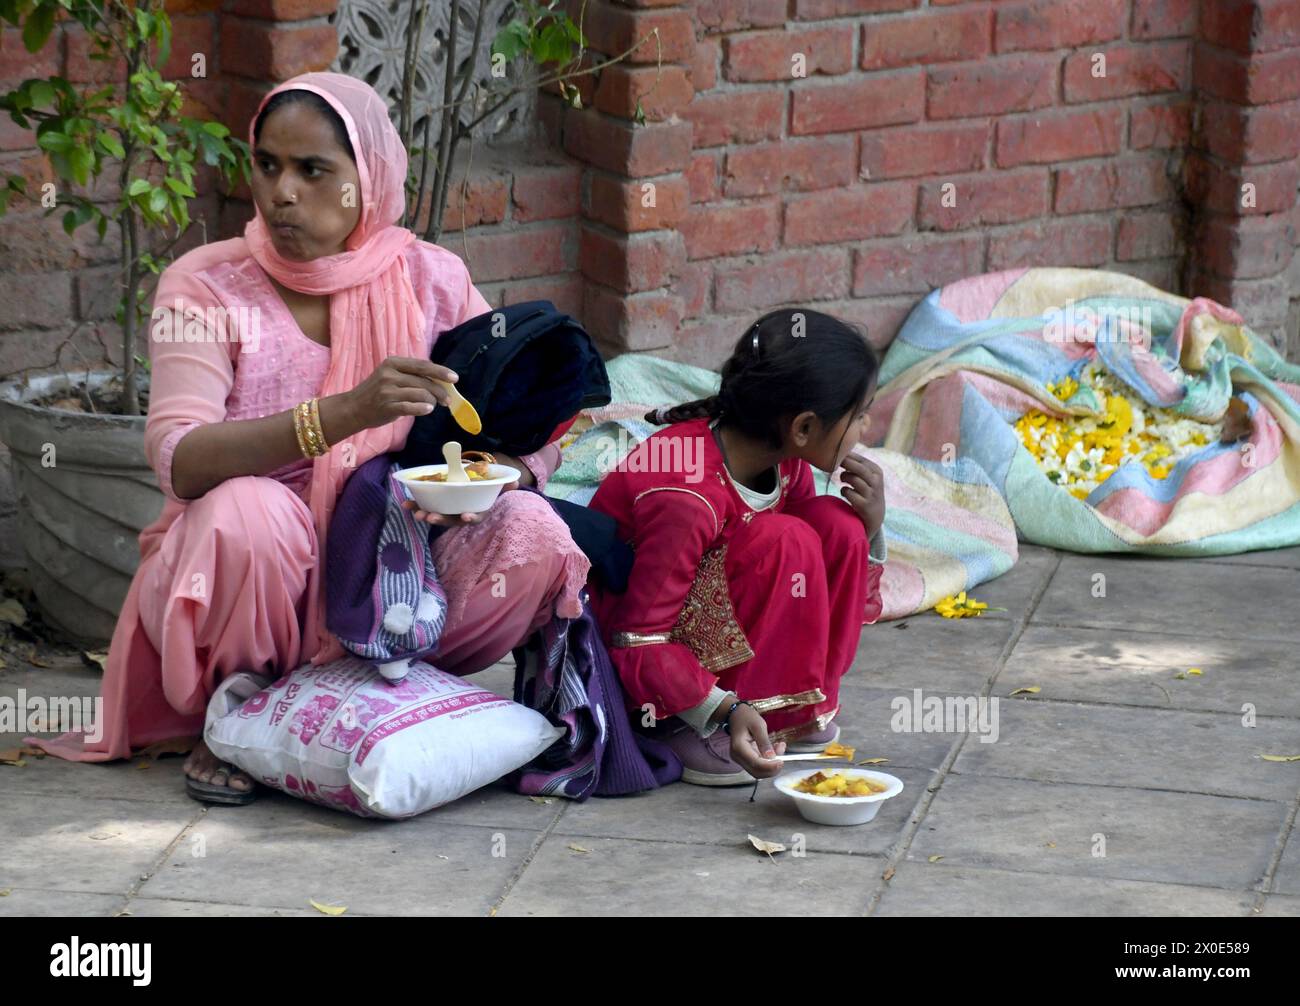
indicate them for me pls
(374, 312)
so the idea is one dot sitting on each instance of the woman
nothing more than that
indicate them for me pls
(311, 332)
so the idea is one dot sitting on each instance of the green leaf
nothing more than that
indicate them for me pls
(110, 145)
(101, 226)
(158, 201)
(552, 45)
(41, 92)
(511, 40)
(39, 24)
(69, 222)
(137, 186)
(55, 142)
(216, 129)
(81, 159)
(179, 187)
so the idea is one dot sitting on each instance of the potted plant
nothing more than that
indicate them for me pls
(84, 488)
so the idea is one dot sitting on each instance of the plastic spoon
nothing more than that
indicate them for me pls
(465, 415)
(455, 470)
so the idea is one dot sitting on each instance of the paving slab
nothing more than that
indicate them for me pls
(932, 652)
(50, 903)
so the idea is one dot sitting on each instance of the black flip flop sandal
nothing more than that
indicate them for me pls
(207, 792)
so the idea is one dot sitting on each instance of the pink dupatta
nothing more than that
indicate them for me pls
(374, 312)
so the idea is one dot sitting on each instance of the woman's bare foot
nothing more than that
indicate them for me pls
(203, 766)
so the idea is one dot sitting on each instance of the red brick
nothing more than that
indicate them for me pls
(707, 342)
(242, 99)
(192, 34)
(615, 30)
(798, 165)
(662, 91)
(770, 55)
(695, 286)
(1273, 186)
(1245, 135)
(1164, 18)
(282, 10)
(175, 7)
(615, 145)
(881, 317)
(926, 38)
(249, 49)
(702, 176)
(1152, 68)
(993, 87)
(1002, 198)
(915, 264)
(717, 16)
(1251, 25)
(80, 68)
(1248, 248)
(631, 262)
(98, 293)
(1059, 24)
(1047, 137)
(1051, 243)
(621, 204)
(33, 168)
(1163, 274)
(856, 214)
(879, 100)
(816, 10)
(1166, 126)
(704, 67)
(1262, 302)
(16, 63)
(545, 192)
(30, 241)
(630, 322)
(1113, 184)
(924, 150)
(731, 228)
(1260, 80)
(736, 117)
(534, 251)
(14, 137)
(565, 292)
(36, 300)
(481, 199)
(1147, 235)
(783, 278)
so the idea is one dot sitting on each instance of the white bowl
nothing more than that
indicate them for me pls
(455, 497)
(838, 809)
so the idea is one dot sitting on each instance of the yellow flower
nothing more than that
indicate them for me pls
(959, 606)
(1064, 388)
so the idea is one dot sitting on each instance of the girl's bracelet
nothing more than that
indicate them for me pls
(726, 720)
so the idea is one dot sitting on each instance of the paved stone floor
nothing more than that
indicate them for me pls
(1117, 788)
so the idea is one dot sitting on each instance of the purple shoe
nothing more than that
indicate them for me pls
(816, 742)
(707, 761)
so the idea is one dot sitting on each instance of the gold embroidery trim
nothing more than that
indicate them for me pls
(775, 702)
(641, 638)
(707, 622)
(679, 489)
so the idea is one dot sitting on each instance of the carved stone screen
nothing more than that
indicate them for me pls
(372, 46)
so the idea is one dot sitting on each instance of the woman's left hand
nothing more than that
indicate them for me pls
(864, 490)
(453, 519)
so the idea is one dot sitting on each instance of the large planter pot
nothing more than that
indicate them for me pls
(84, 494)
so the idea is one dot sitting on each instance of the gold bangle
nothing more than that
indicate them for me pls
(316, 429)
(298, 430)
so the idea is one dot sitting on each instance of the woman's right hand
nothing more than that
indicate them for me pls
(400, 386)
(750, 747)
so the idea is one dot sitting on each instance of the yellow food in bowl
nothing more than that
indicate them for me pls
(474, 476)
(839, 784)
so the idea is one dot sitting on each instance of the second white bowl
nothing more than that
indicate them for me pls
(455, 497)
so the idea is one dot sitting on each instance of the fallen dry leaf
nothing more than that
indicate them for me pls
(837, 750)
(1031, 690)
(142, 764)
(1195, 671)
(12, 756)
(1236, 421)
(97, 659)
(327, 909)
(575, 847)
(103, 836)
(1295, 757)
(935, 859)
(874, 761)
(888, 874)
(4, 893)
(12, 612)
(542, 799)
(767, 847)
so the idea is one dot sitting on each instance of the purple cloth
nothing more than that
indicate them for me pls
(563, 671)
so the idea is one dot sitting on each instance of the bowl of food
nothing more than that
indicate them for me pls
(432, 492)
(839, 796)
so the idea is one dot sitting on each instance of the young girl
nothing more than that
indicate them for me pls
(748, 590)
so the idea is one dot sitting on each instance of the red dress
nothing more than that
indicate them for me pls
(768, 604)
